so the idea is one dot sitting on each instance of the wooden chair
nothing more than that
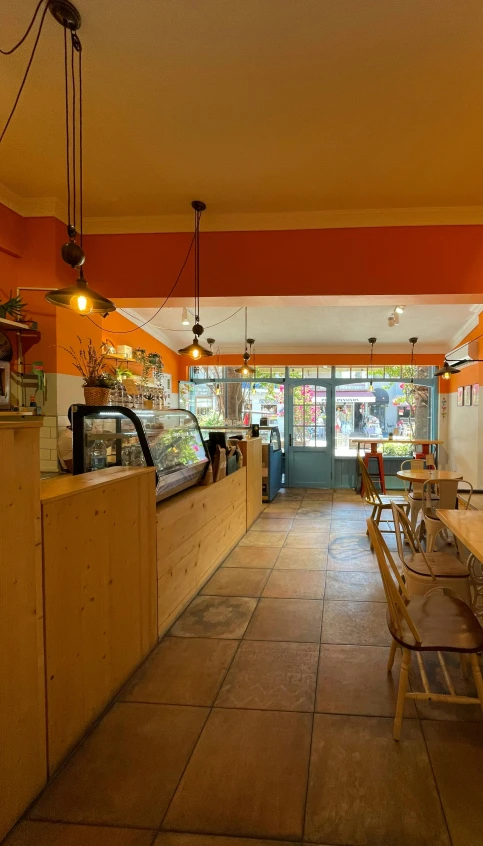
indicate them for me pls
(421, 570)
(413, 491)
(447, 492)
(379, 502)
(437, 622)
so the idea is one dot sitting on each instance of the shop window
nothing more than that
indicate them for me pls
(390, 407)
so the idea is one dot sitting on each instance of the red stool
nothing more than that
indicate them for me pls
(378, 456)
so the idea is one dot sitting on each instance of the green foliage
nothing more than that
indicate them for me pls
(402, 450)
(14, 306)
(212, 418)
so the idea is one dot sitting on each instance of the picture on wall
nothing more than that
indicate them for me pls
(460, 396)
(467, 395)
(476, 392)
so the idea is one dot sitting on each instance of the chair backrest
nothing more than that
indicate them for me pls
(394, 587)
(402, 527)
(370, 494)
(447, 493)
(429, 458)
(464, 504)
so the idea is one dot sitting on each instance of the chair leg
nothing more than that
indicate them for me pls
(392, 654)
(477, 677)
(401, 693)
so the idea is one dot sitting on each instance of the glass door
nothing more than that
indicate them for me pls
(309, 427)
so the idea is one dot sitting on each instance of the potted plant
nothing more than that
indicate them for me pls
(98, 381)
(148, 399)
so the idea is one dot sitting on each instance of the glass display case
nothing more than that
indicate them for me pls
(272, 462)
(168, 439)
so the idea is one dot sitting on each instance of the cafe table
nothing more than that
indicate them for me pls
(417, 479)
(374, 442)
(467, 526)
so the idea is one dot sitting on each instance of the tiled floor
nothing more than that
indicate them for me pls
(265, 715)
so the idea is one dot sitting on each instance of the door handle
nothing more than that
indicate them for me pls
(290, 440)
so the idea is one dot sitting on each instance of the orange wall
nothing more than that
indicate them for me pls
(410, 260)
(115, 323)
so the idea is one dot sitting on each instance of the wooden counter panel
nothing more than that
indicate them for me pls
(100, 599)
(210, 522)
(252, 458)
(23, 767)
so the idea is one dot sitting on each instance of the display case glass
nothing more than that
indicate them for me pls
(169, 440)
(271, 435)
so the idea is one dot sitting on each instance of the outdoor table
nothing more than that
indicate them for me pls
(467, 526)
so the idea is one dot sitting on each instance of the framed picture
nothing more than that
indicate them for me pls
(460, 396)
(467, 395)
(476, 391)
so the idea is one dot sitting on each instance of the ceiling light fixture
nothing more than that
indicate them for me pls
(413, 342)
(78, 297)
(447, 371)
(372, 341)
(195, 350)
(184, 318)
(245, 369)
(399, 309)
(391, 320)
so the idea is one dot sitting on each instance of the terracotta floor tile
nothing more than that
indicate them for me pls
(321, 496)
(171, 838)
(247, 776)
(271, 675)
(31, 833)
(307, 540)
(182, 671)
(350, 551)
(286, 505)
(249, 556)
(354, 680)
(295, 584)
(269, 524)
(234, 581)
(314, 511)
(263, 539)
(357, 585)
(286, 619)
(311, 524)
(301, 559)
(126, 771)
(215, 616)
(358, 623)
(366, 789)
(456, 753)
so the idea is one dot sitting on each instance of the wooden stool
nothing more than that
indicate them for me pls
(379, 457)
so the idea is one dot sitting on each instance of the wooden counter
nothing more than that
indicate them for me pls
(252, 459)
(99, 561)
(196, 529)
(23, 768)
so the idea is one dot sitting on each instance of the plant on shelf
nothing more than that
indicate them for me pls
(152, 364)
(39, 373)
(122, 373)
(14, 307)
(98, 380)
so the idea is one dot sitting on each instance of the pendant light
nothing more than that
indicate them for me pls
(446, 371)
(78, 297)
(372, 341)
(245, 369)
(413, 342)
(195, 350)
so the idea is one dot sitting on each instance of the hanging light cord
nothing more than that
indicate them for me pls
(34, 48)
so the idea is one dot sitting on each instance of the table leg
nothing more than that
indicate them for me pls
(475, 568)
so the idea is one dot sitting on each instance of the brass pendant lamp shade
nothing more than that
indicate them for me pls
(446, 371)
(245, 369)
(80, 298)
(195, 350)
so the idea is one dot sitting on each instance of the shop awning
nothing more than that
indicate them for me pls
(382, 396)
(354, 396)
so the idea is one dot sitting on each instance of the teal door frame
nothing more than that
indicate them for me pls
(308, 466)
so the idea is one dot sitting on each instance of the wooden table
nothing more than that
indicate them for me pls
(374, 442)
(423, 475)
(467, 526)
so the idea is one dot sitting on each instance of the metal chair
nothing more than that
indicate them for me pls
(379, 502)
(447, 492)
(413, 491)
(421, 570)
(437, 622)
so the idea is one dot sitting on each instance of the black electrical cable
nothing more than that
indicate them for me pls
(67, 131)
(24, 80)
(81, 132)
(74, 132)
(166, 329)
(128, 331)
(19, 43)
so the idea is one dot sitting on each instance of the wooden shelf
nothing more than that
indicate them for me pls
(12, 324)
(121, 358)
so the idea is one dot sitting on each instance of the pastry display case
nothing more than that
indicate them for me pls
(272, 462)
(168, 439)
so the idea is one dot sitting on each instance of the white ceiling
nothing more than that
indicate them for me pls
(258, 106)
(311, 329)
